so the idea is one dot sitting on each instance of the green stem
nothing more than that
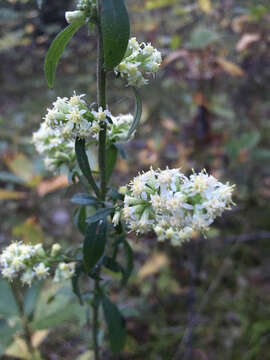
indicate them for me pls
(95, 320)
(26, 328)
(101, 99)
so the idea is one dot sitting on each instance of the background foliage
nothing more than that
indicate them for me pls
(207, 108)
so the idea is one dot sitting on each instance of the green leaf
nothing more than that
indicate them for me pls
(111, 264)
(111, 160)
(115, 29)
(137, 113)
(84, 163)
(122, 151)
(100, 214)
(83, 199)
(75, 282)
(31, 298)
(115, 323)
(130, 263)
(79, 219)
(8, 307)
(94, 244)
(53, 310)
(56, 49)
(6, 335)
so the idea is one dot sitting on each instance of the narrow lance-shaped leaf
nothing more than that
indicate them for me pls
(115, 29)
(137, 113)
(129, 265)
(83, 199)
(79, 219)
(84, 163)
(94, 244)
(100, 214)
(75, 282)
(115, 323)
(57, 48)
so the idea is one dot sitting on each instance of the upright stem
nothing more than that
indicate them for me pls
(26, 329)
(101, 100)
(95, 321)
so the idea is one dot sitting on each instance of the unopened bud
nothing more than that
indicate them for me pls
(122, 190)
(55, 249)
(72, 16)
(39, 250)
(116, 218)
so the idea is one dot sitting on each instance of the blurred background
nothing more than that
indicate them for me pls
(207, 108)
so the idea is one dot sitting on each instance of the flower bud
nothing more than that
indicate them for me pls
(122, 190)
(39, 250)
(72, 16)
(55, 249)
(116, 218)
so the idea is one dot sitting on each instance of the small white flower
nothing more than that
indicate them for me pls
(28, 277)
(101, 114)
(64, 271)
(8, 273)
(41, 271)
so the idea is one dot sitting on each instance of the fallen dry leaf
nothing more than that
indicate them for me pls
(229, 67)
(169, 124)
(30, 231)
(23, 167)
(18, 349)
(246, 40)
(11, 195)
(239, 21)
(38, 337)
(48, 186)
(153, 265)
(205, 6)
(147, 157)
(174, 56)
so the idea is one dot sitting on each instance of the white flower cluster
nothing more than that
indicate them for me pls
(57, 150)
(139, 60)
(72, 118)
(30, 262)
(173, 205)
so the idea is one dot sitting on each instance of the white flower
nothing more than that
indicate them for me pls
(140, 60)
(41, 271)
(8, 273)
(64, 271)
(173, 205)
(28, 277)
(101, 114)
